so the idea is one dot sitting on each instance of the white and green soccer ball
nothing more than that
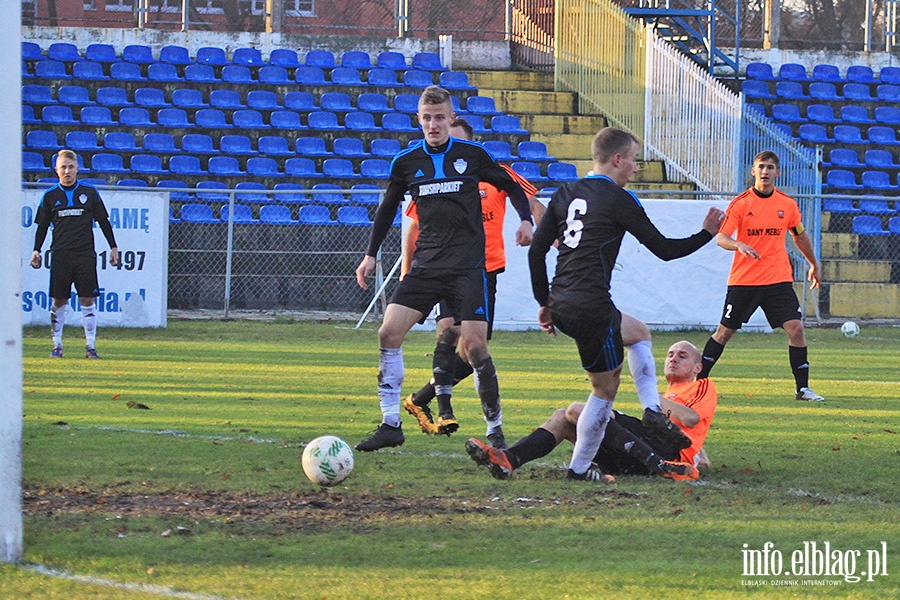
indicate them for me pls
(850, 329)
(327, 460)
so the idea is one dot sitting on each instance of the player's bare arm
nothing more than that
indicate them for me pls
(365, 270)
(685, 416)
(713, 220)
(727, 242)
(114, 256)
(35, 261)
(804, 244)
(409, 247)
(524, 233)
(545, 320)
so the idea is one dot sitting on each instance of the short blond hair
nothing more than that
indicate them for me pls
(610, 141)
(434, 94)
(66, 153)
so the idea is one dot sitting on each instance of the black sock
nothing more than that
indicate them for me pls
(622, 441)
(799, 365)
(424, 395)
(538, 443)
(711, 353)
(488, 389)
(461, 369)
(443, 368)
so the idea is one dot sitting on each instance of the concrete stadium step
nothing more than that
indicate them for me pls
(858, 271)
(531, 102)
(838, 245)
(861, 300)
(653, 171)
(511, 80)
(546, 124)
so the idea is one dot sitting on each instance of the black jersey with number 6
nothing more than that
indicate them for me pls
(589, 217)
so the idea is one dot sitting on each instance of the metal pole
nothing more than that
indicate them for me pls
(185, 18)
(379, 292)
(867, 45)
(229, 248)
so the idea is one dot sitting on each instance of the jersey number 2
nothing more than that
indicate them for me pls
(574, 224)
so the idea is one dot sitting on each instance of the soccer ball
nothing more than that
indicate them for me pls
(327, 460)
(850, 329)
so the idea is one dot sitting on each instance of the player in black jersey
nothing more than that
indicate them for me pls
(590, 217)
(72, 207)
(442, 175)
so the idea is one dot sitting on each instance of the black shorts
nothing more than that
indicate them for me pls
(67, 268)
(598, 337)
(616, 462)
(465, 292)
(444, 311)
(778, 301)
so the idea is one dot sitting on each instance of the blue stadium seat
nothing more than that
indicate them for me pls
(174, 184)
(787, 113)
(113, 96)
(99, 116)
(877, 181)
(290, 198)
(339, 168)
(860, 74)
(848, 134)
(262, 100)
(28, 115)
(51, 69)
(346, 76)
(147, 163)
(406, 103)
(560, 171)
(224, 166)
(888, 93)
(93, 181)
(477, 123)
(535, 151)
(842, 179)
(132, 116)
(125, 71)
(216, 196)
(198, 213)
(882, 136)
(31, 51)
(120, 141)
(887, 115)
(792, 72)
(301, 167)
(273, 75)
(324, 121)
(391, 60)
(385, 148)
(284, 57)
(889, 75)
(507, 124)
(415, 78)
(211, 118)
(108, 163)
(868, 225)
(273, 145)
(188, 98)
(759, 108)
(455, 80)
(821, 113)
(285, 119)
(128, 182)
(360, 121)
(357, 60)
(322, 59)
(375, 168)
(236, 145)
(347, 147)
(841, 206)
(198, 143)
(482, 105)
(827, 73)
(844, 158)
(353, 215)
(33, 161)
(311, 146)
(163, 73)
(89, 71)
(210, 56)
(879, 159)
(384, 78)
(200, 74)
(35, 93)
(138, 54)
(247, 57)
(300, 102)
(336, 102)
(398, 122)
(373, 103)
(307, 75)
(428, 61)
(263, 166)
(185, 165)
(760, 71)
(63, 52)
(236, 74)
(529, 170)
(175, 55)
(226, 100)
(365, 193)
(276, 214)
(249, 119)
(57, 115)
(857, 115)
(328, 193)
(894, 225)
(101, 53)
(81, 141)
(859, 92)
(500, 150)
(753, 88)
(74, 95)
(243, 214)
(824, 91)
(150, 98)
(40, 139)
(790, 90)
(160, 143)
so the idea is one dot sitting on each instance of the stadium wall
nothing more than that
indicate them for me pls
(777, 57)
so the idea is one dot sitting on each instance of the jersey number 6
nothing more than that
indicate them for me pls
(574, 224)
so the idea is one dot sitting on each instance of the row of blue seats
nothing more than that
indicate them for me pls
(825, 114)
(213, 56)
(871, 181)
(276, 214)
(872, 226)
(847, 158)
(845, 206)
(241, 145)
(812, 133)
(791, 90)
(822, 72)
(188, 98)
(271, 75)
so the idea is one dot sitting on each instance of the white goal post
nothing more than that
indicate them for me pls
(10, 303)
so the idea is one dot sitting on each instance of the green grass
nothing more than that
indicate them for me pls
(231, 405)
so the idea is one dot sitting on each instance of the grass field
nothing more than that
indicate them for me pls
(202, 495)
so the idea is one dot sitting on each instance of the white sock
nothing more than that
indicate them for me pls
(643, 371)
(590, 429)
(89, 319)
(390, 378)
(495, 424)
(57, 321)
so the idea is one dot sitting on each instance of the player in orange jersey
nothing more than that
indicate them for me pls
(628, 448)
(454, 366)
(761, 274)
